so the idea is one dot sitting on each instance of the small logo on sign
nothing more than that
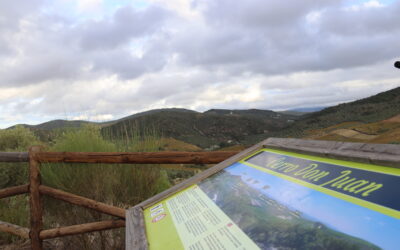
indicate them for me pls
(158, 218)
(156, 207)
(157, 212)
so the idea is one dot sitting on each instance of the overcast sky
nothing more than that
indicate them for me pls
(102, 60)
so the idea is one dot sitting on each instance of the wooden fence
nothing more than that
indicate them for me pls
(36, 190)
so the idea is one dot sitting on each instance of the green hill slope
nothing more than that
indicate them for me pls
(56, 124)
(372, 109)
(213, 127)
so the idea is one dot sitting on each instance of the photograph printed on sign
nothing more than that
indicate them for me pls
(276, 213)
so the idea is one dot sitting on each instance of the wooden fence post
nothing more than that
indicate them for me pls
(35, 200)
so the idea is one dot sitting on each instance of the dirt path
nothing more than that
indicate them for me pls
(350, 133)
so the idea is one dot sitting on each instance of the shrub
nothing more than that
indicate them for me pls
(14, 209)
(17, 139)
(116, 184)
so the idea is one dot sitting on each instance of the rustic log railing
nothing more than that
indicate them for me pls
(36, 190)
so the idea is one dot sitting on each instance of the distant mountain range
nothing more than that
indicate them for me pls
(56, 124)
(302, 111)
(308, 110)
(222, 127)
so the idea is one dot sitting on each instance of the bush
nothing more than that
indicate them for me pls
(116, 184)
(17, 139)
(15, 209)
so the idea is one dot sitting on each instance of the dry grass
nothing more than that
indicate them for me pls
(386, 131)
(392, 136)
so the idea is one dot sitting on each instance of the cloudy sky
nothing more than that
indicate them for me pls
(104, 59)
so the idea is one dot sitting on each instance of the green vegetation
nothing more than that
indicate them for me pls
(203, 130)
(368, 110)
(116, 184)
(14, 209)
(16, 139)
(213, 127)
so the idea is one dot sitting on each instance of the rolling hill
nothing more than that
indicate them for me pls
(56, 124)
(373, 109)
(374, 119)
(213, 127)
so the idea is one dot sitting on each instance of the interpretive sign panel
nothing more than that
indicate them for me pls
(274, 199)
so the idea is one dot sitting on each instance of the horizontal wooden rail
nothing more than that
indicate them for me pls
(82, 201)
(82, 228)
(14, 229)
(14, 157)
(136, 158)
(11, 191)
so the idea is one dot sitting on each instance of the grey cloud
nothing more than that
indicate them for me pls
(173, 87)
(257, 13)
(259, 37)
(5, 50)
(275, 37)
(42, 67)
(127, 66)
(210, 48)
(50, 48)
(11, 12)
(155, 56)
(126, 97)
(366, 22)
(126, 23)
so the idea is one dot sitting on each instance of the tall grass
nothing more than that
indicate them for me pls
(14, 209)
(131, 137)
(115, 184)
